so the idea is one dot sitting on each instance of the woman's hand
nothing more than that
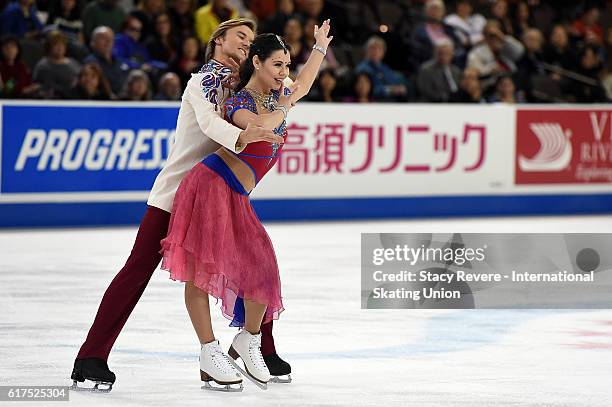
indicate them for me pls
(289, 100)
(321, 34)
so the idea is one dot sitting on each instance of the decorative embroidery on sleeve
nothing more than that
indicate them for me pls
(215, 75)
(240, 100)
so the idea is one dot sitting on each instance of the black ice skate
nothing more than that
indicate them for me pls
(95, 370)
(279, 369)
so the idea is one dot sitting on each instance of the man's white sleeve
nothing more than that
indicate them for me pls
(210, 122)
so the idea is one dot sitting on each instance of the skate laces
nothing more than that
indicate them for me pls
(217, 354)
(254, 349)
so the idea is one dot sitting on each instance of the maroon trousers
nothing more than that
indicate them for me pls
(128, 285)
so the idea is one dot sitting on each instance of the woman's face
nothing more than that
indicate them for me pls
(58, 50)
(286, 7)
(273, 71)
(506, 87)
(500, 9)
(309, 28)
(162, 24)
(89, 79)
(190, 48)
(464, 9)
(138, 88)
(9, 51)
(155, 6)
(589, 59)
(327, 82)
(68, 5)
(363, 86)
(523, 11)
(182, 6)
(293, 30)
(559, 37)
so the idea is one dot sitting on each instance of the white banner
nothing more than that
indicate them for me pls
(394, 150)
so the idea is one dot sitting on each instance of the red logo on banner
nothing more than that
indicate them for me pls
(563, 146)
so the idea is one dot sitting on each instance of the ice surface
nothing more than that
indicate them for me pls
(51, 282)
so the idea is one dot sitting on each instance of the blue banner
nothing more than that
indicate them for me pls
(84, 148)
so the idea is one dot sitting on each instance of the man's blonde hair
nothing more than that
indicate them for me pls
(222, 29)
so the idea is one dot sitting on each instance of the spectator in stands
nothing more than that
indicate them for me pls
(131, 51)
(505, 91)
(65, 16)
(19, 18)
(438, 79)
(468, 26)
(499, 13)
(361, 91)
(470, 90)
(606, 16)
(276, 23)
(181, 18)
(588, 89)
(137, 86)
(522, 19)
(162, 45)
(208, 17)
(189, 60)
(558, 51)
(102, 12)
(56, 73)
(309, 41)
(294, 36)
(311, 9)
(91, 84)
(497, 55)
(325, 87)
(431, 31)
(531, 63)
(15, 79)
(256, 10)
(146, 12)
(169, 87)
(102, 41)
(587, 27)
(320, 10)
(387, 84)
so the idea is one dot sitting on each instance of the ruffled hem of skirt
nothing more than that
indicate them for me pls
(184, 265)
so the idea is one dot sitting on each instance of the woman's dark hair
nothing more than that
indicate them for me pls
(263, 46)
(104, 88)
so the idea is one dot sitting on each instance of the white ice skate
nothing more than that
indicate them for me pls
(217, 367)
(248, 348)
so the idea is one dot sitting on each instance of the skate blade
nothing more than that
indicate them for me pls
(226, 388)
(95, 389)
(245, 373)
(281, 379)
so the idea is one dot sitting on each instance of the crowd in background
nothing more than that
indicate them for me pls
(454, 51)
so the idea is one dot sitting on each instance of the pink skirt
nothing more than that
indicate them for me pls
(216, 240)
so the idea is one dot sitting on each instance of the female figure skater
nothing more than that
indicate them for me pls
(215, 243)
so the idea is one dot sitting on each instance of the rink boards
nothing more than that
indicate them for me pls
(72, 164)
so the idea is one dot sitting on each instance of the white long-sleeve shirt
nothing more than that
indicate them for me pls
(200, 130)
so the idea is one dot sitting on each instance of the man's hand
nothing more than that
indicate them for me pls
(232, 80)
(254, 133)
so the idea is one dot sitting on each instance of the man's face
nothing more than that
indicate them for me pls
(102, 42)
(375, 52)
(435, 11)
(445, 54)
(236, 43)
(492, 38)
